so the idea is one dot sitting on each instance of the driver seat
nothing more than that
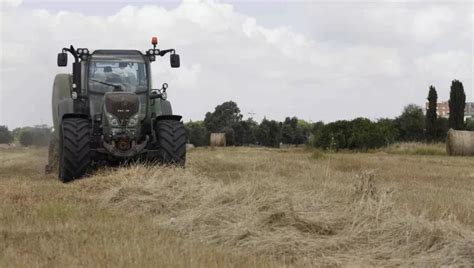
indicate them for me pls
(114, 78)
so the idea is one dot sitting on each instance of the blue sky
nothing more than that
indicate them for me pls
(318, 60)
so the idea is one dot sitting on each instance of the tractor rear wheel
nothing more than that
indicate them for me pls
(171, 137)
(74, 148)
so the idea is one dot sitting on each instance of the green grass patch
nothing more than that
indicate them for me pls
(414, 148)
(317, 154)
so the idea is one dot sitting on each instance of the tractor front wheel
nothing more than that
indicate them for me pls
(171, 137)
(74, 148)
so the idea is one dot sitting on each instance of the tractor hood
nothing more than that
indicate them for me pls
(122, 105)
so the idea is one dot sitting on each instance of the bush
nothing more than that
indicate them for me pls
(411, 123)
(358, 134)
(38, 136)
(245, 132)
(5, 135)
(442, 127)
(470, 124)
(269, 133)
(197, 133)
(416, 148)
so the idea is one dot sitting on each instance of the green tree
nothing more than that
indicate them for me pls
(38, 135)
(470, 124)
(224, 117)
(288, 130)
(303, 131)
(229, 136)
(27, 138)
(442, 125)
(268, 133)
(197, 133)
(388, 129)
(294, 131)
(358, 134)
(411, 123)
(431, 115)
(244, 132)
(5, 135)
(334, 135)
(315, 133)
(457, 103)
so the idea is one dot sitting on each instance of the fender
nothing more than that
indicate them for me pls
(65, 107)
(160, 107)
(169, 117)
(71, 115)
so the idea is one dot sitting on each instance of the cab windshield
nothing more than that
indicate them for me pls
(119, 76)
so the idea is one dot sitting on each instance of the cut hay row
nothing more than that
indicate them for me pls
(312, 222)
(242, 207)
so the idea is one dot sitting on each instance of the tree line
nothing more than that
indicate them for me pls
(227, 119)
(26, 136)
(357, 134)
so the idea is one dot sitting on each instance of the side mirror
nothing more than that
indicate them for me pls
(174, 60)
(62, 59)
(155, 95)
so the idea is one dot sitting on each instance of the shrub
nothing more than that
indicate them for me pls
(5, 135)
(38, 136)
(197, 133)
(411, 123)
(470, 124)
(358, 134)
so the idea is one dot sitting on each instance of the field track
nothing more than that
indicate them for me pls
(241, 207)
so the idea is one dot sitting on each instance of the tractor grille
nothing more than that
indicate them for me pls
(122, 104)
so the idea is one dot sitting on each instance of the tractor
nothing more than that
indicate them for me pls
(107, 112)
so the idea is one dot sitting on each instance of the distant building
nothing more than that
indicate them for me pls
(443, 109)
(469, 111)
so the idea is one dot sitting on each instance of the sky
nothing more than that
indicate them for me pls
(317, 60)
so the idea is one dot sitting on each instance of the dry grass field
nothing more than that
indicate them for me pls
(241, 207)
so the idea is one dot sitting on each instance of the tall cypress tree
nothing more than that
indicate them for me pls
(430, 123)
(457, 103)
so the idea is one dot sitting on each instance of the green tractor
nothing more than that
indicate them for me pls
(107, 112)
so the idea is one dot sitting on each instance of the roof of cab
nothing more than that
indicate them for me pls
(117, 52)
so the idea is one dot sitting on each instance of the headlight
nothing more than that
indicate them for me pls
(79, 51)
(85, 51)
(133, 121)
(114, 122)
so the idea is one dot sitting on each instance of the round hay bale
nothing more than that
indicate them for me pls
(218, 139)
(460, 142)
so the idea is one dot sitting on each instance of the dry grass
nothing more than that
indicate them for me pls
(242, 207)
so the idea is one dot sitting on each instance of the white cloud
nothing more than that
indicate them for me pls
(446, 64)
(366, 62)
(429, 24)
(10, 3)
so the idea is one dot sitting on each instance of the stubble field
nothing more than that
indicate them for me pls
(242, 207)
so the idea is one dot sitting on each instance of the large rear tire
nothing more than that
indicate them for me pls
(171, 137)
(74, 148)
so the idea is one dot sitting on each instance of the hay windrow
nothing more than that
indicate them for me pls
(307, 222)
